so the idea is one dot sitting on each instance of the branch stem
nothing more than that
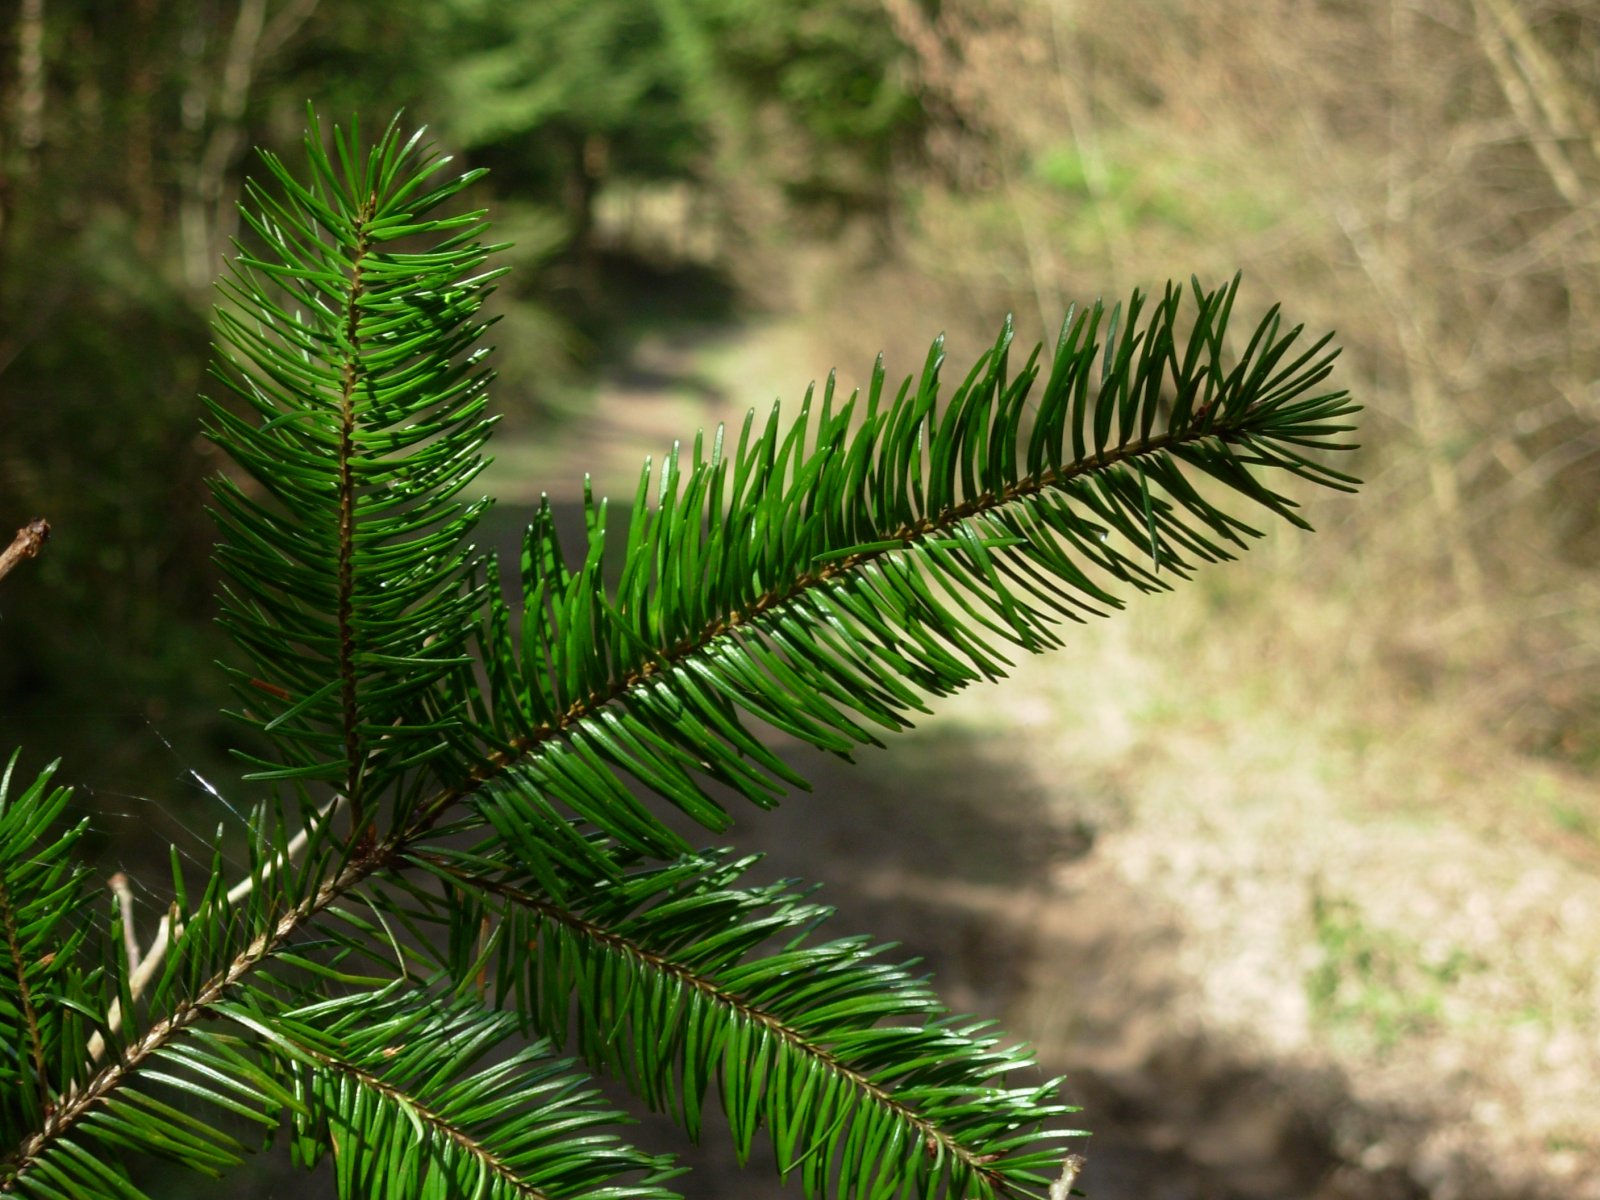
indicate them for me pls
(30, 539)
(781, 1030)
(352, 377)
(19, 967)
(929, 527)
(120, 888)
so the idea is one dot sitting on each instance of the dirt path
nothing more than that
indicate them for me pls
(1272, 962)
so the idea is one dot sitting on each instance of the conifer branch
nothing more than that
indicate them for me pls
(825, 579)
(932, 1135)
(75, 1106)
(30, 1017)
(496, 762)
(143, 967)
(421, 1113)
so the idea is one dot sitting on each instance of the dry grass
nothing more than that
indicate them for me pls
(1357, 884)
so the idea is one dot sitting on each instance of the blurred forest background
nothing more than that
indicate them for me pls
(713, 201)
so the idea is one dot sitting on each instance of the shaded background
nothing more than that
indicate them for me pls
(1293, 872)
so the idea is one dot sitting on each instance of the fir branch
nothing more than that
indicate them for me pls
(423, 1115)
(931, 1134)
(805, 581)
(350, 577)
(810, 582)
(76, 1105)
(142, 968)
(30, 1019)
(909, 536)
(670, 965)
(409, 1067)
(43, 890)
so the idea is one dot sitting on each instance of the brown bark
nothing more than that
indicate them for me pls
(27, 544)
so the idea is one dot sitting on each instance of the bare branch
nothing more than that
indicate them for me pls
(285, 23)
(1524, 99)
(1062, 1187)
(142, 971)
(207, 215)
(1568, 109)
(27, 544)
(118, 884)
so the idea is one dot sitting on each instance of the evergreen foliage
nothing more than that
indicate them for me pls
(454, 878)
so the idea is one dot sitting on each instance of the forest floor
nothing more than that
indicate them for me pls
(1285, 944)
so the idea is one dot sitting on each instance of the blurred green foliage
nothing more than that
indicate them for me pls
(1161, 187)
(123, 135)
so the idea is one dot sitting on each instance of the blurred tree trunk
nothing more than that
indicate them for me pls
(207, 203)
(30, 76)
(22, 107)
(143, 84)
(1401, 275)
(585, 170)
(217, 107)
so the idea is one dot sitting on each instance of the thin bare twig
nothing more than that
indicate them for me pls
(1527, 103)
(142, 970)
(1062, 1187)
(30, 538)
(130, 938)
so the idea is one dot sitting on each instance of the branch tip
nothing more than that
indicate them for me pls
(30, 539)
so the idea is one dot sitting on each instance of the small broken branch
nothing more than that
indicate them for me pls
(130, 940)
(1062, 1187)
(27, 544)
(141, 970)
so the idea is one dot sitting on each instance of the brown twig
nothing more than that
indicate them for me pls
(30, 538)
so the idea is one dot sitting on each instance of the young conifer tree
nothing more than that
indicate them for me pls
(460, 872)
